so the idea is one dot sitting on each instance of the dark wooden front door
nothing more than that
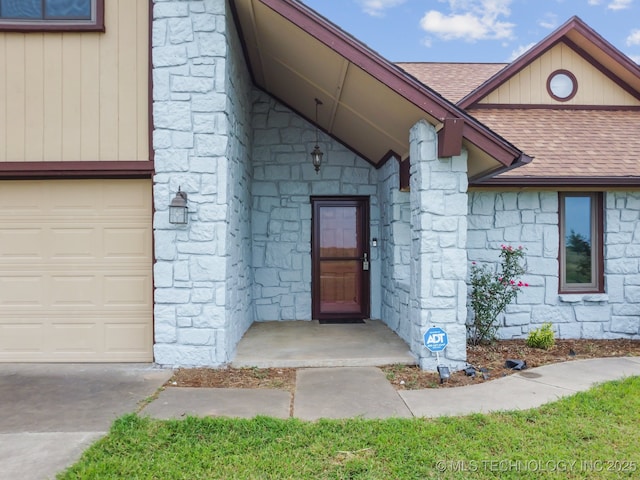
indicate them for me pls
(340, 258)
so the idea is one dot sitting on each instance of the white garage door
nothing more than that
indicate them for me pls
(76, 271)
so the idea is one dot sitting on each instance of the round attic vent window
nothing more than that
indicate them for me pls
(562, 85)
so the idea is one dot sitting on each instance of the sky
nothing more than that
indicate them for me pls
(476, 30)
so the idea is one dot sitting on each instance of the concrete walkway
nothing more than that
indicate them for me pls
(346, 392)
(51, 413)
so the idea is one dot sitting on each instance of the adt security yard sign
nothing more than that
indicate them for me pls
(435, 339)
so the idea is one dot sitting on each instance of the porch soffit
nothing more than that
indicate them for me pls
(369, 104)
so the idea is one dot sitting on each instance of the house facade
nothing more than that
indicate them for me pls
(225, 100)
(76, 234)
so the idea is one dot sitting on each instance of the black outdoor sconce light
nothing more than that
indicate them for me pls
(178, 212)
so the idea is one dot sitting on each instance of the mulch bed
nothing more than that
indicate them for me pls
(404, 377)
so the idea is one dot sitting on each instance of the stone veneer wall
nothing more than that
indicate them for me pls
(438, 247)
(395, 250)
(283, 181)
(202, 141)
(530, 219)
(238, 301)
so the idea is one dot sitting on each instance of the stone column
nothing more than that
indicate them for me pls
(438, 292)
(189, 48)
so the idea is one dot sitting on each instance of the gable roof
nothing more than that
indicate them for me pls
(369, 104)
(581, 38)
(572, 144)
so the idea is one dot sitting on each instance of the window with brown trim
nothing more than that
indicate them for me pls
(581, 236)
(51, 15)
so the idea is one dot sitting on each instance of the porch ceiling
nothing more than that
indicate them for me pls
(369, 105)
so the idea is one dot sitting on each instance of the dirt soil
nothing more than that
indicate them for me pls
(491, 358)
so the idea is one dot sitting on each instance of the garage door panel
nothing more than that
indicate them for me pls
(75, 271)
(21, 243)
(76, 198)
(21, 337)
(21, 291)
(127, 290)
(129, 202)
(126, 243)
(126, 337)
(75, 290)
(69, 243)
(16, 201)
(75, 338)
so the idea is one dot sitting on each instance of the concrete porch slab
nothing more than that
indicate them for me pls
(310, 344)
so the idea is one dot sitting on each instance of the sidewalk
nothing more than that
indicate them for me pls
(52, 412)
(345, 392)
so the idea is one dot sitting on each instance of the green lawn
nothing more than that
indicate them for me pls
(595, 434)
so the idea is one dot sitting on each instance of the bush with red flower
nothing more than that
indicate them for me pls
(492, 291)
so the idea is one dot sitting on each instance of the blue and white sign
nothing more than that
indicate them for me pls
(435, 339)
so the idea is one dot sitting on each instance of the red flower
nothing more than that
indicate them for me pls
(526, 284)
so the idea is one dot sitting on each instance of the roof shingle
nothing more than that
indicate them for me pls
(453, 81)
(570, 143)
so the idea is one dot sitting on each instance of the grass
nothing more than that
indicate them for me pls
(599, 430)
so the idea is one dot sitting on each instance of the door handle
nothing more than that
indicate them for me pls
(365, 262)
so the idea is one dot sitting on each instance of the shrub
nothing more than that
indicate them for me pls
(491, 292)
(542, 337)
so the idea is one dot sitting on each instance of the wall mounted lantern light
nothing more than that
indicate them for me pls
(316, 155)
(178, 212)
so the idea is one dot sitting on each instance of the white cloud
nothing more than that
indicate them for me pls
(470, 20)
(619, 4)
(635, 58)
(634, 38)
(376, 8)
(550, 21)
(520, 51)
(613, 4)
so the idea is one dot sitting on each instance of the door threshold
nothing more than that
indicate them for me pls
(341, 321)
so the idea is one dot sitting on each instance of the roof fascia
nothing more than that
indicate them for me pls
(393, 77)
(559, 182)
(605, 71)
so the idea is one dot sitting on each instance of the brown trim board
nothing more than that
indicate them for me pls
(552, 106)
(108, 169)
(560, 182)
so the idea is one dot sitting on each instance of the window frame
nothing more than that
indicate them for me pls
(597, 245)
(95, 24)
